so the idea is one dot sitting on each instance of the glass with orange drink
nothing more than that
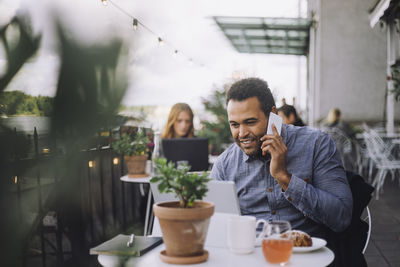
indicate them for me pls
(277, 249)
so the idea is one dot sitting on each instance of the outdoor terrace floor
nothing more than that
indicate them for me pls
(384, 247)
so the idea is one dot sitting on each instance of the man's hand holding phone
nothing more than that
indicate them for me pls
(273, 144)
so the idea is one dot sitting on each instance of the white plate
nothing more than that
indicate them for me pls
(317, 243)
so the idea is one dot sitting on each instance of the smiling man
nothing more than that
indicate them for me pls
(297, 177)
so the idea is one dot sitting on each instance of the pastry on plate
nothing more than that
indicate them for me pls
(299, 238)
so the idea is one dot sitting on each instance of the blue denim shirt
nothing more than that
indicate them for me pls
(318, 193)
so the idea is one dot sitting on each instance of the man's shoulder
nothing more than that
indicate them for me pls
(231, 152)
(305, 136)
(304, 131)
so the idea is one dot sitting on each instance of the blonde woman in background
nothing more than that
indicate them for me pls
(333, 120)
(180, 122)
(333, 117)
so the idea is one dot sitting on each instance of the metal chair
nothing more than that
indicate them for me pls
(367, 219)
(380, 153)
(345, 146)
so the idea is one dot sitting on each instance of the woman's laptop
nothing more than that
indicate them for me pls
(192, 150)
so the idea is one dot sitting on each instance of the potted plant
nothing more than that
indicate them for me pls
(184, 223)
(134, 151)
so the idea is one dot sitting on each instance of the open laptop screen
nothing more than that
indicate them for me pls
(193, 150)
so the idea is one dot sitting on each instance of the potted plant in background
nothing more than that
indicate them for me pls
(134, 151)
(184, 223)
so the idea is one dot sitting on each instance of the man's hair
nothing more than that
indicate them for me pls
(287, 110)
(252, 87)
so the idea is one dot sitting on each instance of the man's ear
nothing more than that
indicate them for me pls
(273, 110)
(291, 118)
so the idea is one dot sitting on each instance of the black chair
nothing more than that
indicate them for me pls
(348, 245)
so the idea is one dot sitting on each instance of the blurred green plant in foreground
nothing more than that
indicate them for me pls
(91, 85)
(13, 230)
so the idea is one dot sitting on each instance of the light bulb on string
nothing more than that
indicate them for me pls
(135, 24)
(191, 63)
(160, 41)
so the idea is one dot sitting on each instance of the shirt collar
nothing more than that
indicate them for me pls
(246, 157)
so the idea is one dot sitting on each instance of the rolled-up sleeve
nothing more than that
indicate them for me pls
(327, 199)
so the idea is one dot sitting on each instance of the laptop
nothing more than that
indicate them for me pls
(192, 150)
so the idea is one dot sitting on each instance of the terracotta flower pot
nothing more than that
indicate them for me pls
(184, 229)
(136, 165)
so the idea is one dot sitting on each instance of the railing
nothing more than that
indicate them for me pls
(106, 206)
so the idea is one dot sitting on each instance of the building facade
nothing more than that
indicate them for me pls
(347, 62)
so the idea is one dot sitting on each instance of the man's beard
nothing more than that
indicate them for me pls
(257, 152)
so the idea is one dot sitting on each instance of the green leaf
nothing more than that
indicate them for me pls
(131, 145)
(155, 179)
(186, 186)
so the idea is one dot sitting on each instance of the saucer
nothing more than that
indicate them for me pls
(317, 243)
(184, 260)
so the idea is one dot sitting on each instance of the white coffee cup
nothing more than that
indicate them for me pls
(241, 235)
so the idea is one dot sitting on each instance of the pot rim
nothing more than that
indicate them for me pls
(135, 156)
(177, 213)
(160, 204)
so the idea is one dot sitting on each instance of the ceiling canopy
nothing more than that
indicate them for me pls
(287, 36)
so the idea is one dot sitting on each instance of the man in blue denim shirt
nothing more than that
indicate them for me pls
(297, 176)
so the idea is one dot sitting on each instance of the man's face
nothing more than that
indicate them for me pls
(248, 124)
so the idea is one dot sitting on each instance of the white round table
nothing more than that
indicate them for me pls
(223, 257)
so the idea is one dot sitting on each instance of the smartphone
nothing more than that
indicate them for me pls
(277, 121)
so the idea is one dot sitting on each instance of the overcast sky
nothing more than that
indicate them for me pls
(157, 77)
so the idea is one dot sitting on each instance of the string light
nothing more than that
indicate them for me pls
(135, 24)
(91, 164)
(115, 161)
(15, 179)
(191, 62)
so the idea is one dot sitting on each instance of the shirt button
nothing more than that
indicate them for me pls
(269, 189)
(289, 198)
(273, 212)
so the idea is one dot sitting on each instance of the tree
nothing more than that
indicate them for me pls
(45, 105)
(19, 103)
(217, 130)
